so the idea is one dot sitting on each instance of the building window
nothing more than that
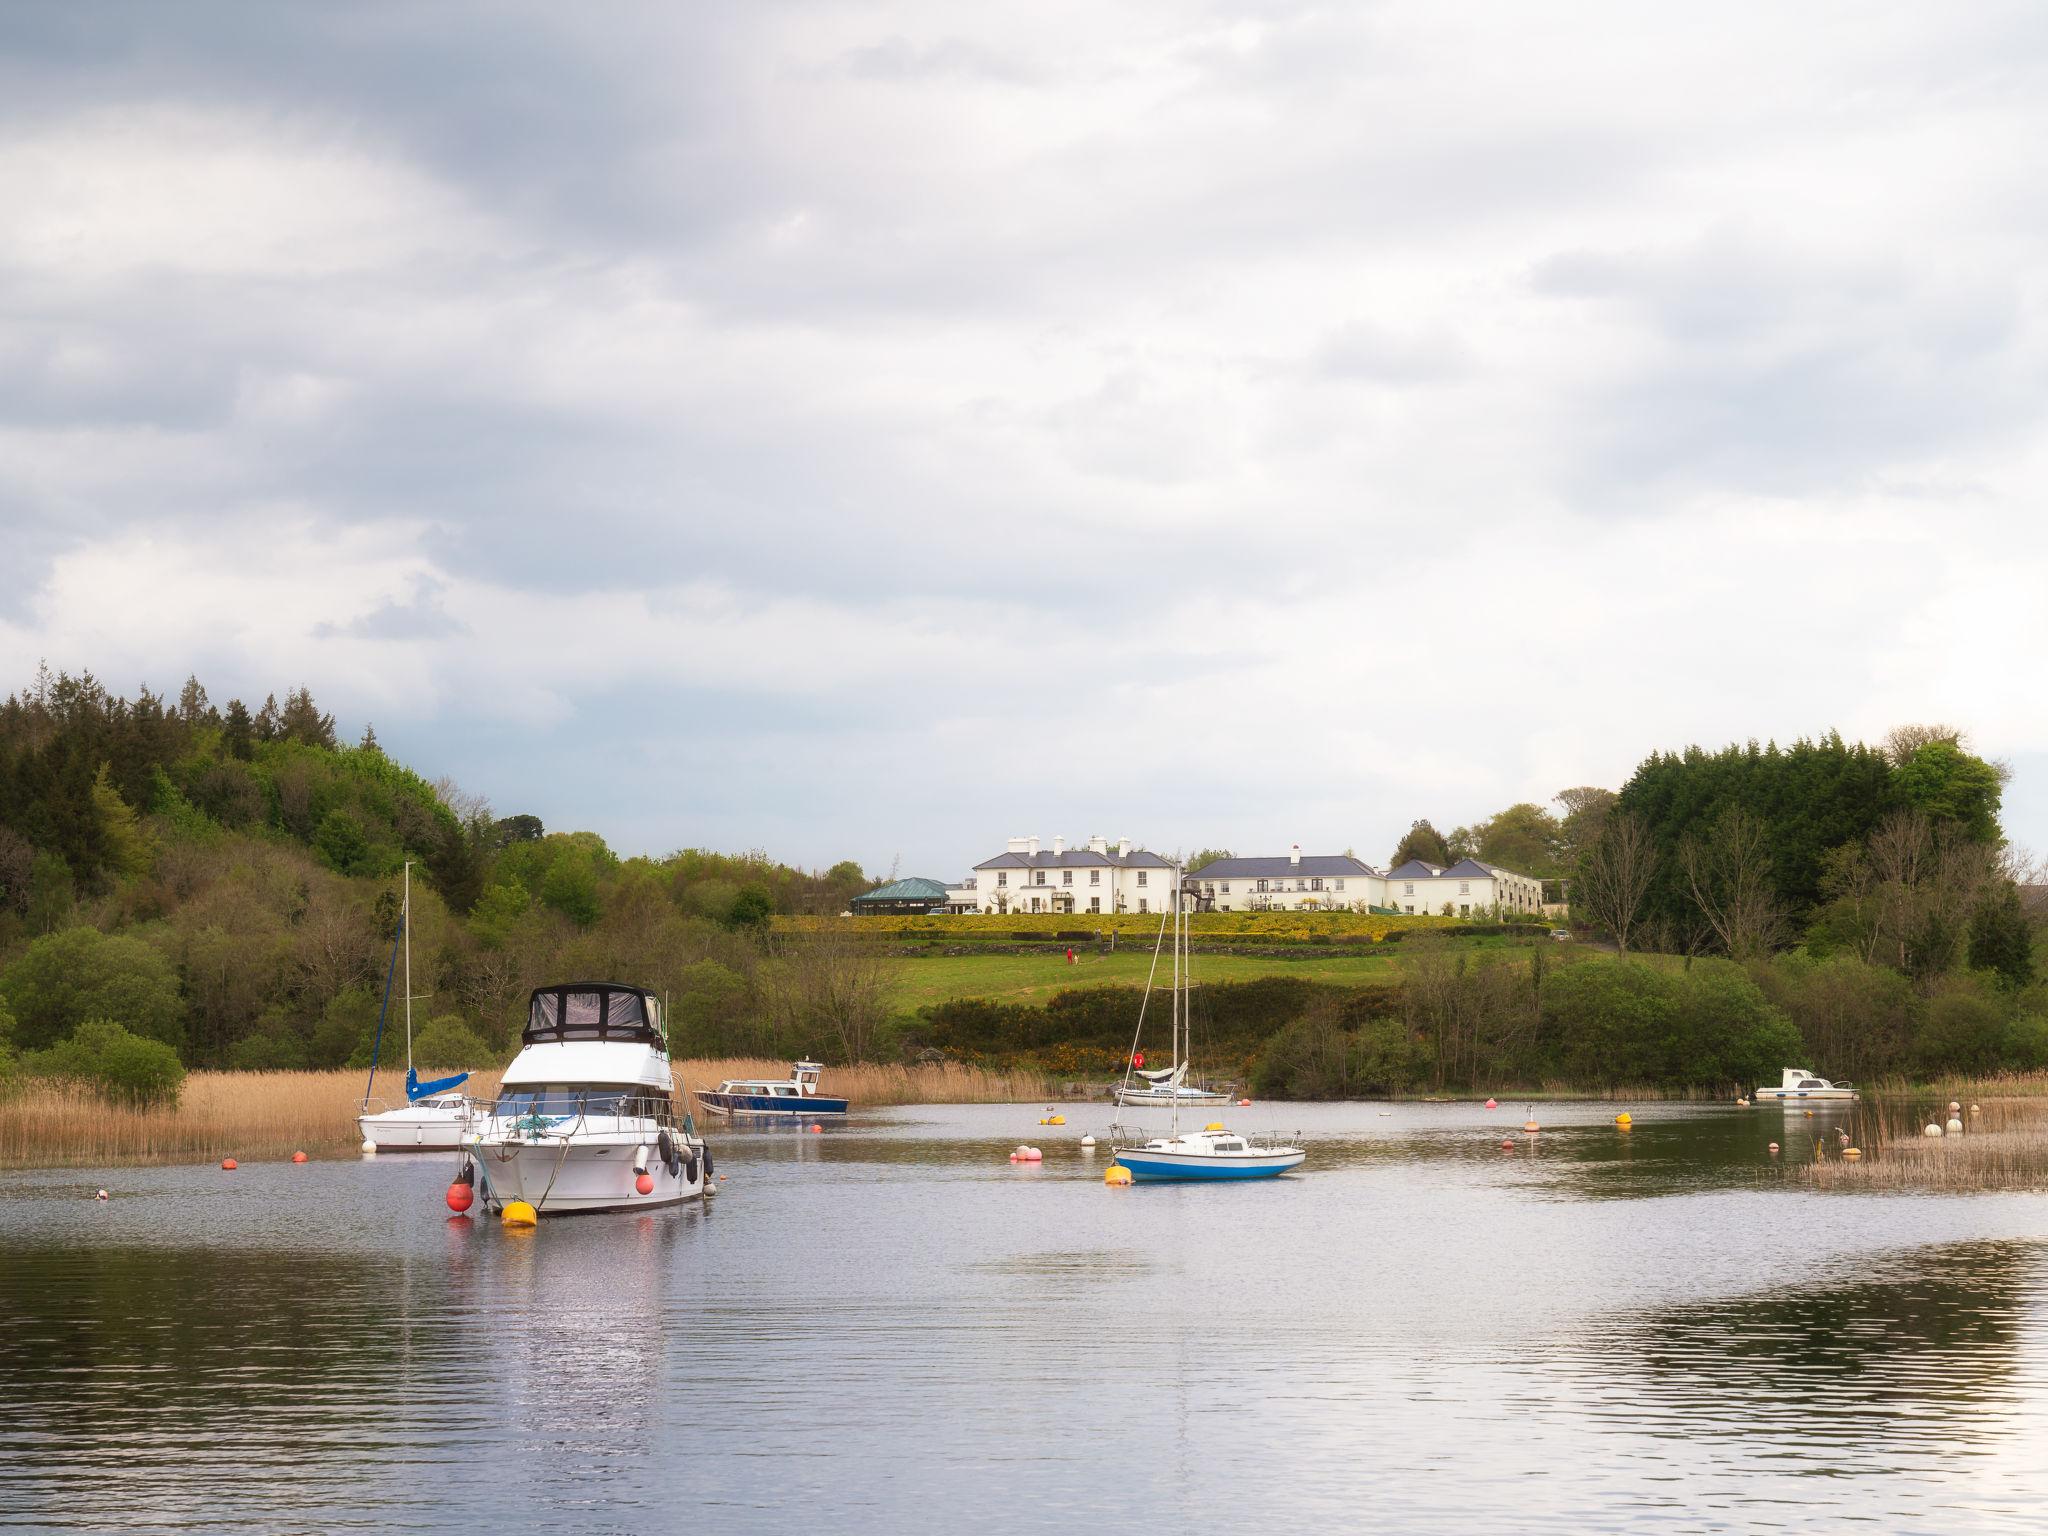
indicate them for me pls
(1002, 877)
(1041, 878)
(1409, 890)
(1411, 909)
(1464, 910)
(1066, 877)
(1262, 885)
(1094, 903)
(1464, 887)
(1141, 884)
(1340, 885)
(1226, 887)
(1141, 900)
(1095, 877)
(1315, 885)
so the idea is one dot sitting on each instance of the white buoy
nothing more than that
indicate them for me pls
(1933, 1129)
(1087, 1142)
(1954, 1125)
(369, 1145)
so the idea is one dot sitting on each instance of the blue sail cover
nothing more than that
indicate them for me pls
(415, 1089)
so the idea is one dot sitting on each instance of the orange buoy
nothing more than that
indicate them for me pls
(817, 1129)
(1774, 1149)
(1244, 1103)
(1507, 1146)
(460, 1197)
(1531, 1127)
(1490, 1104)
(298, 1157)
(644, 1185)
(229, 1163)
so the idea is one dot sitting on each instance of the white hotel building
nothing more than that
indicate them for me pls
(1099, 876)
(1339, 882)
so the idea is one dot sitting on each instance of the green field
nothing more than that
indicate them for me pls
(924, 980)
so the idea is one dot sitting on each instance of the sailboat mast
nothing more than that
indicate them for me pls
(1178, 1021)
(405, 926)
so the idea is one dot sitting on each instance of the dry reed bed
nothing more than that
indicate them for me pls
(2002, 1146)
(255, 1115)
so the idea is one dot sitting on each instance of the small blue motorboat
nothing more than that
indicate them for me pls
(795, 1095)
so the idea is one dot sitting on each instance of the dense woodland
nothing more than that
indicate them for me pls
(225, 882)
(185, 884)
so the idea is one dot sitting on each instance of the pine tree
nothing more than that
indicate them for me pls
(302, 720)
(269, 726)
(238, 731)
(369, 741)
(192, 705)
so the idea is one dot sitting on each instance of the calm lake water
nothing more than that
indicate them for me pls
(891, 1328)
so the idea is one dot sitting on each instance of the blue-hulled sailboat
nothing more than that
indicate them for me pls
(434, 1114)
(1213, 1152)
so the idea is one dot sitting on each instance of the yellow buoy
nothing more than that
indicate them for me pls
(1116, 1175)
(518, 1213)
(1052, 1119)
(1852, 1153)
(1624, 1118)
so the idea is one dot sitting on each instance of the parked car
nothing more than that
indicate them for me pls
(1561, 934)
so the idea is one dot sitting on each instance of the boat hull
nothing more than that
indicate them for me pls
(1805, 1096)
(1185, 1167)
(1146, 1096)
(410, 1130)
(585, 1177)
(768, 1104)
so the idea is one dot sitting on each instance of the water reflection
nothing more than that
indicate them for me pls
(890, 1327)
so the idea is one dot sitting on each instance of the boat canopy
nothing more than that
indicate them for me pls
(593, 1010)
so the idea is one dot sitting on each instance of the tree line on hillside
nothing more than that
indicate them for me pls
(224, 884)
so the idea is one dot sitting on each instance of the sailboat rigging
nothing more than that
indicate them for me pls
(434, 1115)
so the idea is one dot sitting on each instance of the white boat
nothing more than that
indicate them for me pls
(1168, 1085)
(1801, 1086)
(585, 1115)
(796, 1094)
(1210, 1153)
(433, 1117)
(1215, 1151)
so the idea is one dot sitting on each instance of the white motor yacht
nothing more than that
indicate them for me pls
(585, 1115)
(1801, 1086)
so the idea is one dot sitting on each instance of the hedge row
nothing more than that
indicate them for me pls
(1265, 927)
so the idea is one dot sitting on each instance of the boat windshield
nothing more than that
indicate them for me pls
(578, 1099)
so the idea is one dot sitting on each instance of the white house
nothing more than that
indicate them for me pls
(1291, 882)
(1098, 876)
(1467, 888)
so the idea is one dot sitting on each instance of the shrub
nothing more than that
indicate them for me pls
(1963, 1031)
(75, 974)
(448, 1044)
(2026, 1043)
(272, 1045)
(751, 908)
(115, 1064)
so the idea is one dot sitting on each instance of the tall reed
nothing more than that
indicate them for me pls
(274, 1114)
(2003, 1146)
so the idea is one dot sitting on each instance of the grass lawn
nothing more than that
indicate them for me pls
(1034, 978)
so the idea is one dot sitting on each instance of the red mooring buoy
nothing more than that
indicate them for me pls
(644, 1185)
(229, 1163)
(460, 1197)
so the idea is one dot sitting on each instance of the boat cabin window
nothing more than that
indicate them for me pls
(1811, 1083)
(1229, 1146)
(552, 1099)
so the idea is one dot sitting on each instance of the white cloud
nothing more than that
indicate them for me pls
(1232, 427)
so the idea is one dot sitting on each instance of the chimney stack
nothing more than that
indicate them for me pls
(1031, 845)
(1098, 844)
(1123, 847)
(1059, 846)
(1019, 844)
(1294, 857)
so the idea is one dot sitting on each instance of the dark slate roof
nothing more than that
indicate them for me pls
(916, 888)
(1467, 869)
(1338, 864)
(1414, 869)
(1076, 858)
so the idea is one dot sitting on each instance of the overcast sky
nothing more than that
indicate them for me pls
(862, 431)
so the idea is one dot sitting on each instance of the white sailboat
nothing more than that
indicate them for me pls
(1214, 1152)
(434, 1115)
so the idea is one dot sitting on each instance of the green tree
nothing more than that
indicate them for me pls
(50, 895)
(570, 886)
(1524, 838)
(75, 974)
(1208, 856)
(751, 908)
(129, 849)
(1422, 841)
(342, 844)
(498, 912)
(447, 1044)
(712, 1012)
(114, 1063)
(2001, 938)
(1962, 1031)
(347, 1023)
(302, 721)
(238, 731)
(1946, 783)
(1609, 1025)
